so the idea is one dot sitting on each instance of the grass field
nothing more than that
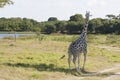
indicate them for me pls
(31, 59)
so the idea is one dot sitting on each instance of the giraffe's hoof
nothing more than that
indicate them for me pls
(83, 70)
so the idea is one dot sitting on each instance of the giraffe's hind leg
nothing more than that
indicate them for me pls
(79, 61)
(74, 61)
(85, 53)
(69, 59)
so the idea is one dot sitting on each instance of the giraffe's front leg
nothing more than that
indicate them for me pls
(79, 61)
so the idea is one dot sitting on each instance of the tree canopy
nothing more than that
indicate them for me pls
(52, 19)
(76, 17)
(5, 2)
(53, 25)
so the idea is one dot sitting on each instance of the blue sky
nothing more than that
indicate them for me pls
(41, 10)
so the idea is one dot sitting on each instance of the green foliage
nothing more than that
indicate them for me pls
(111, 16)
(73, 26)
(77, 17)
(50, 28)
(27, 25)
(61, 26)
(5, 2)
(52, 19)
(94, 25)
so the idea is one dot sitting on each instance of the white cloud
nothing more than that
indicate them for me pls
(103, 2)
(62, 9)
(92, 3)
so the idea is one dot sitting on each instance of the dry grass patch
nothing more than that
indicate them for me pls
(31, 60)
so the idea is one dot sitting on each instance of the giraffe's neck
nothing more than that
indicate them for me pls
(84, 31)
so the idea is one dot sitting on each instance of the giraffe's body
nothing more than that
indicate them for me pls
(79, 46)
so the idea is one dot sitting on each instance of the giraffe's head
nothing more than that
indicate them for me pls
(87, 15)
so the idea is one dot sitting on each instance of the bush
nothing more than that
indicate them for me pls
(26, 37)
(9, 37)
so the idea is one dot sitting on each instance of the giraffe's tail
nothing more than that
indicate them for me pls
(62, 57)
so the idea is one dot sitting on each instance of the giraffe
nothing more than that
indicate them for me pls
(79, 46)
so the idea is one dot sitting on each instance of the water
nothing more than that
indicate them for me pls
(12, 35)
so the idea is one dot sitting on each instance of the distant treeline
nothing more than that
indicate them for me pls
(73, 26)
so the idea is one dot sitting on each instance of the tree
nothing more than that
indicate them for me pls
(76, 17)
(52, 19)
(61, 26)
(95, 24)
(111, 16)
(5, 2)
(3, 24)
(116, 26)
(27, 25)
(118, 17)
(75, 23)
(74, 27)
(50, 28)
(13, 26)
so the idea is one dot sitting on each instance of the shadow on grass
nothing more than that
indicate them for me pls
(53, 68)
(39, 67)
(44, 67)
